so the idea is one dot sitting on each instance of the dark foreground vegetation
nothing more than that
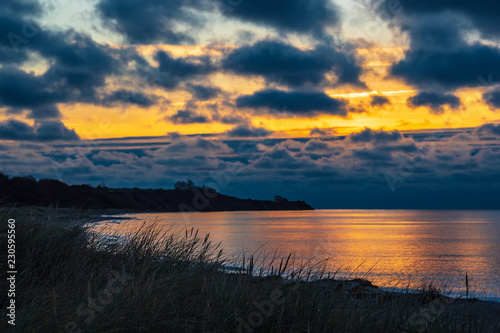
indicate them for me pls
(71, 280)
(27, 191)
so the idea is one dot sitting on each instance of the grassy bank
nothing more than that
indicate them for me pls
(72, 281)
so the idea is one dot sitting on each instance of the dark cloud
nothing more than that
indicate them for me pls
(77, 67)
(16, 130)
(294, 102)
(435, 101)
(172, 21)
(188, 117)
(233, 119)
(21, 7)
(483, 14)
(16, 24)
(153, 21)
(54, 130)
(492, 98)
(372, 155)
(438, 32)
(296, 16)
(171, 72)
(440, 54)
(7, 56)
(80, 65)
(246, 131)
(489, 129)
(12, 129)
(406, 147)
(183, 67)
(44, 112)
(129, 97)
(209, 145)
(424, 68)
(20, 90)
(317, 131)
(285, 64)
(379, 137)
(315, 145)
(377, 100)
(23, 90)
(74, 59)
(281, 158)
(203, 93)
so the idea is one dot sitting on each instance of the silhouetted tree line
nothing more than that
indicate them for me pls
(279, 198)
(184, 185)
(27, 191)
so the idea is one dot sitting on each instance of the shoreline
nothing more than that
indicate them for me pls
(103, 215)
(389, 288)
(180, 280)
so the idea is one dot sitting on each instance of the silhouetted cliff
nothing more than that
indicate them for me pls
(27, 191)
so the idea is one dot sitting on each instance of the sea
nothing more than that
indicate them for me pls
(398, 250)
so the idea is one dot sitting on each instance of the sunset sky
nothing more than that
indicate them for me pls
(361, 103)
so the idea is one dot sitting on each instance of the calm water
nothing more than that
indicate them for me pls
(390, 248)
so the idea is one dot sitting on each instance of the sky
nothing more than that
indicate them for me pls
(343, 104)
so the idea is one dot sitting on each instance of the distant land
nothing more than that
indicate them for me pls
(27, 191)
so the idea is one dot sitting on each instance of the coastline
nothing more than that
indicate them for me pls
(27, 191)
(103, 215)
(166, 282)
